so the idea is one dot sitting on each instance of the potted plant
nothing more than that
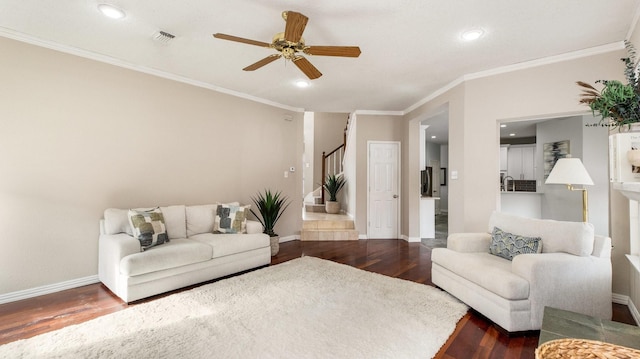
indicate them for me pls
(618, 104)
(271, 206)
(333, 184)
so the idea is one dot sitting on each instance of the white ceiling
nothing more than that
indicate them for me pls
(410, 48)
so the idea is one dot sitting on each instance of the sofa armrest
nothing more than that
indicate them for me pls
(469, 242)
(565, 281)
(601, 247)
(111, 249)
(253, 227)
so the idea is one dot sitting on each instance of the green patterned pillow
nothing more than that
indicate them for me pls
(148, 227)
(231, 219)
(508, 245)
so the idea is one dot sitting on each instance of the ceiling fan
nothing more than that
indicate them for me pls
(290, 45)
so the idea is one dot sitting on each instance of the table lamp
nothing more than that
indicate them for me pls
(570, 171)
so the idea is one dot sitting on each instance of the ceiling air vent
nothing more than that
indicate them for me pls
(163, 37)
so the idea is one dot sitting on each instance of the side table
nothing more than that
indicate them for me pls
(560, 324)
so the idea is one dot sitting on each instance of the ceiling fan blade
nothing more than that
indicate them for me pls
(241, 39)
(344, 51)
(305, 66)
(267, 60)
(296, 22)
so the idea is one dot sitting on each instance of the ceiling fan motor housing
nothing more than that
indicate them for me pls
(287, 48)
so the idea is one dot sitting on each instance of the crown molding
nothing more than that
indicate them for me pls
(616, 46)
(14, 35)
(379, 113)
(11, 34)
(634, 23)
(435, 94)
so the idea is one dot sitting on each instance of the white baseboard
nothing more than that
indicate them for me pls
(625, 300)
(410, 239)
(620, 299)
(47, 289)
(362, 236)
(289, 238)
(634, 312)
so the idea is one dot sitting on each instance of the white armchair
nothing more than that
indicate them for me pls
(573, 272)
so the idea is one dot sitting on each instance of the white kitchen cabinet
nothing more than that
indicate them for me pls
(521, 162)
(504, 164)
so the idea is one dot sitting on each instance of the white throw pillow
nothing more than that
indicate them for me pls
(116, 221)
(200, 219)
(175, 220)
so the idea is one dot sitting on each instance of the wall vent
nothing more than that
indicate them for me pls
(163, 37)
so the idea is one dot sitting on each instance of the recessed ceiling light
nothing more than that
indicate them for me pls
(302, 83)
(473, 34)
(433, 136)
(111, 11)
(512, 134)
(503, 126)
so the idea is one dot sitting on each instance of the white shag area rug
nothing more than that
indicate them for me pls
(304, 308)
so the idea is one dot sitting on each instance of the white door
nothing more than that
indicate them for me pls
(384, 190)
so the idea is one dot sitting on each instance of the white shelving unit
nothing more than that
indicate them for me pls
(631, 190)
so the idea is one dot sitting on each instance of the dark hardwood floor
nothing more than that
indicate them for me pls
(475, 336)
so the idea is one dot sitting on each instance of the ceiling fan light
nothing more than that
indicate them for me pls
(473, 34)
(111, 11)
(302, 83)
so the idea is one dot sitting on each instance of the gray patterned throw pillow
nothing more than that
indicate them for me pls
(508, 245)
(148, 227)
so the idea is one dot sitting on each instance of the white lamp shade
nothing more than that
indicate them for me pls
(569, 171)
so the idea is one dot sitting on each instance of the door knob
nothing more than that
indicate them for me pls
(395, 196)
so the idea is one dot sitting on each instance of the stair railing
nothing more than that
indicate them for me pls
(332, 162)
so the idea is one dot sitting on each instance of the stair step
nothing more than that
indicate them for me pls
(315, 208)
(328, 224)
(329, 235)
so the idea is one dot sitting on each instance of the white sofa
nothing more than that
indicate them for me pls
(573, 272)
(193, 255)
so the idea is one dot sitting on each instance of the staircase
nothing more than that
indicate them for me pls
(318, 225)
(313, 202)
(328, 227)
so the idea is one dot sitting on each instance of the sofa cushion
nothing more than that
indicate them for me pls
(148, 227)
(557, 236)
(508, 245)
(486, 270)
(174, 254)
(227, 244)
(200, 219)
(231, 219)
(175, 221)
(116, 221)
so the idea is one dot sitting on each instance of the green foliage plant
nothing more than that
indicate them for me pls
(333, 184)
(271, 206)
(617, 104)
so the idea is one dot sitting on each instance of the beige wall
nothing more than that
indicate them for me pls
(78, 136)
(475, 107)
(371, 128)
(328, 134)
